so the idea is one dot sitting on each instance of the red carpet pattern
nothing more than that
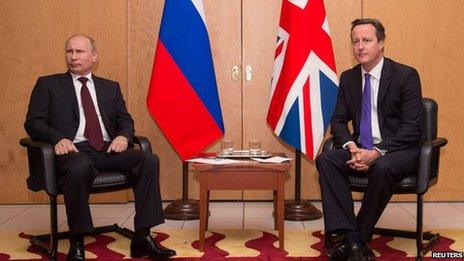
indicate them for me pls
(243, 245)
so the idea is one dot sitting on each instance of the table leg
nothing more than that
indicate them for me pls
(275, 213)
(280, 209)
(207, 209)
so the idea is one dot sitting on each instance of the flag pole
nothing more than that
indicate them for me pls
(185, 208)
(297, 209)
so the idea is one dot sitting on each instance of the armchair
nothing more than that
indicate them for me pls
(426, 177)
(43, 176)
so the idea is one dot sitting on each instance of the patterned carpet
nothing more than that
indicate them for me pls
(302, 244)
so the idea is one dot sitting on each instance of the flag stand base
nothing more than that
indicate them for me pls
(301, 210)
(182, 210)
(297, 209)
(185, 208)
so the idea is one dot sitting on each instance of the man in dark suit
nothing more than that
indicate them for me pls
(383, 101)
(85, 118)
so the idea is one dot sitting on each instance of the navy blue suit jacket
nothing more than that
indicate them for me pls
(399, 107)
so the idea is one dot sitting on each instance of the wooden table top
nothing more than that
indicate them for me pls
(247, 165)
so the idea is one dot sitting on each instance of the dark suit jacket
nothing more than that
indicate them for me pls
(399, 107)
(53, 112)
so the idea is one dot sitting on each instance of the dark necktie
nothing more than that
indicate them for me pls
(93, 130)
(367, 141)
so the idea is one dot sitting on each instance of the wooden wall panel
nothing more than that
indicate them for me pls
(422, 33)
(144, 18)
(426, 34)
(33, 34)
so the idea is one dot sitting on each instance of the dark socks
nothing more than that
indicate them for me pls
(353, 237)
(76, 239)
(143, 232)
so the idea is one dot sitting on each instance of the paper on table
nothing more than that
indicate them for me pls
(215, 161)
(276, 159)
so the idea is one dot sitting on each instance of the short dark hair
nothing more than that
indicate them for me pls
(379, 29)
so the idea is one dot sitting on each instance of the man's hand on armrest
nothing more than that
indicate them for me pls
(64, 146)
(118, 145)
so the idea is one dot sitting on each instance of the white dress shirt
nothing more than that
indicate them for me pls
(80, 137)
(375, 74)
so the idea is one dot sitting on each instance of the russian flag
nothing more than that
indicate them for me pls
(183, 98)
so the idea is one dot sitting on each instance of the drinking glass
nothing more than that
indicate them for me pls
(255, 147)
(227, 147)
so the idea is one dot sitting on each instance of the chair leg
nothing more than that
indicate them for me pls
(419, 235)
(433, 239)
(48, 243)
(40, 242)
(54, 227)
(419, 226)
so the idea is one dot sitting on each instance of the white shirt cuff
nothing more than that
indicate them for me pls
(382, 152)
(345, 146)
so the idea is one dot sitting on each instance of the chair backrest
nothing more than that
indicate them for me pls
(430, 119)
(430, 129)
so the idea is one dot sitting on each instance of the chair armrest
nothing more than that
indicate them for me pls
(41, 157)
(428, 163)
(144, 143)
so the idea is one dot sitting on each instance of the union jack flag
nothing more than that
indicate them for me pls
(304, 84)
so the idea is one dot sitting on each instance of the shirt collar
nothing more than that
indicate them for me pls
(376, 72)
(75, 77)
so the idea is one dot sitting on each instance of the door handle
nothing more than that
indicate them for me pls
(234, 74)
(248, 73)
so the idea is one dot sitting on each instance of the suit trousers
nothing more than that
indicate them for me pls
(77, 172)
(337, 200)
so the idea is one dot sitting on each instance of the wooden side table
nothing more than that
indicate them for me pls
(250, 175)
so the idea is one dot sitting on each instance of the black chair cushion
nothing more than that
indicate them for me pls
(406, 185)
(110, 181)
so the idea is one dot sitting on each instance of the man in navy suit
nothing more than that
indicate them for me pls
(382, 100)
(85, 118)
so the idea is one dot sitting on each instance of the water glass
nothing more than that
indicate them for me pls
(227, 147)
(254, 147)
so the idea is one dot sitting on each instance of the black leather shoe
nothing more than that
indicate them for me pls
(360, 253)
(338, 252)
(146, 246)
(76, 251)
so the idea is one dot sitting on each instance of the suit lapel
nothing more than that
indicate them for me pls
(99, 91)
(385, 80)
(70, 93)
